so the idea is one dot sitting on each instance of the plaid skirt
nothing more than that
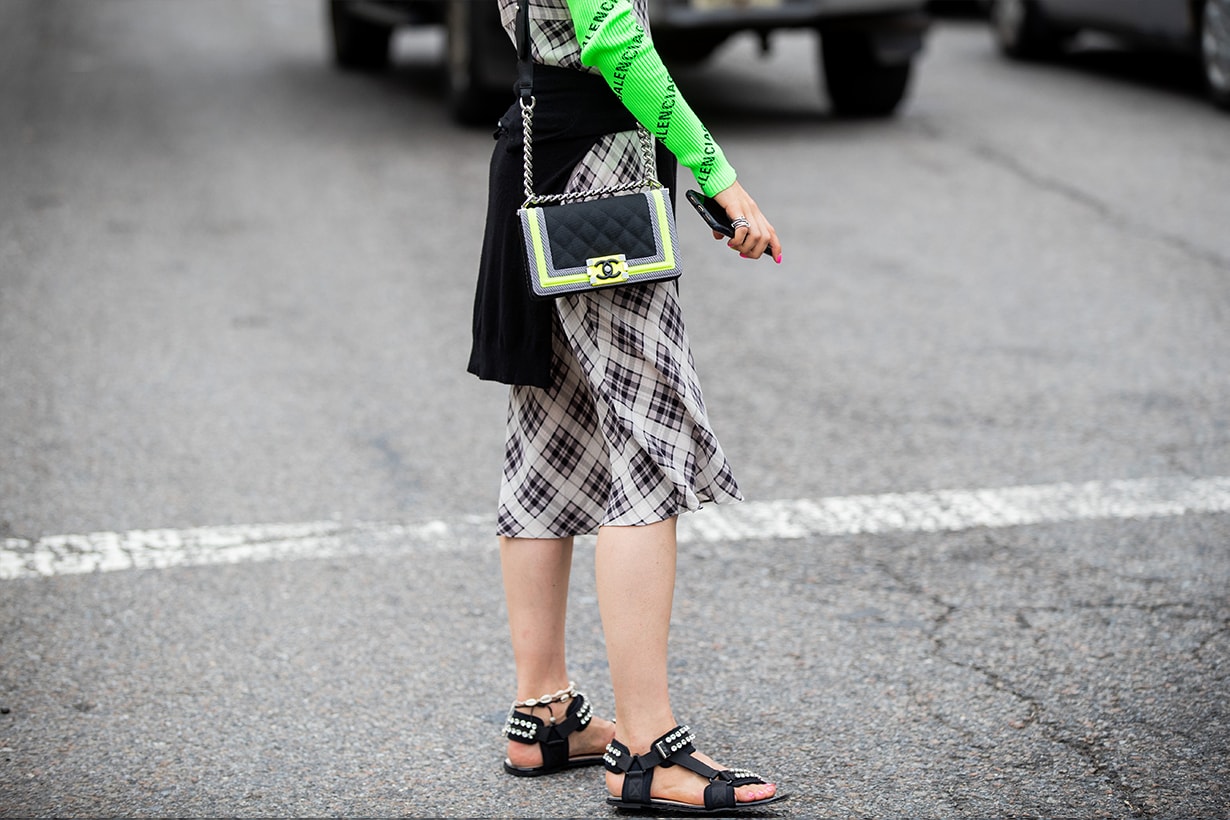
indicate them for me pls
(621, 437)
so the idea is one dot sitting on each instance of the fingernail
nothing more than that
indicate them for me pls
(744, 256)
(778, 259)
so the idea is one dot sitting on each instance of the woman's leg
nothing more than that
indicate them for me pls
(536, 573)
(635, 569)
(636, 586)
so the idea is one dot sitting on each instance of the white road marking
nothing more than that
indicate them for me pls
(938, 511)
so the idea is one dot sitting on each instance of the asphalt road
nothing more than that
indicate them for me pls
(235, 291)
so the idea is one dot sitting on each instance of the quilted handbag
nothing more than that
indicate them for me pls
(599, 238)
(613, 240)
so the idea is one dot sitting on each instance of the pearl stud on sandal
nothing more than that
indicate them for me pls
(675, 749)
(551, 735)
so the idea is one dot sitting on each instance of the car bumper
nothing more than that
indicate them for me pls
(766, 15)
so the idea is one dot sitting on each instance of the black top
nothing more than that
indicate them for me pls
(512, 331)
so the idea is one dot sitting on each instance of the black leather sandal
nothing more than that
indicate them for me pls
(675, 749)
(551, 735)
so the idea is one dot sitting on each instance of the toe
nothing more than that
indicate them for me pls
(756, 791)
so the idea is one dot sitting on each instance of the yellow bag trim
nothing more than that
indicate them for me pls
(547, 281)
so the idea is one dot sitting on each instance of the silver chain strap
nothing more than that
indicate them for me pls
(649, 163)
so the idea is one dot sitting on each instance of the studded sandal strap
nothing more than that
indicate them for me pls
(529, 729)
(638, 778)
(617, 759)
(673, 749)
(676, 743)
(522, 728)
(555, 745)
(577, 717)
(742, 777)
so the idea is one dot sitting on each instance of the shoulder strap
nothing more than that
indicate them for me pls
(525, 61)
(525, 91)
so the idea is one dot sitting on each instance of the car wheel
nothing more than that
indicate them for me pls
(1022, 31)
(471, 100)
(1215, 49)
(358, 44)
(687, 47)
(859, 84)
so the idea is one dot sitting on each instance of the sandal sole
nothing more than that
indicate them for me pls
(658, 805)
(579, 762)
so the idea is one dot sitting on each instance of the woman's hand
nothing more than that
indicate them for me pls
(754, 235)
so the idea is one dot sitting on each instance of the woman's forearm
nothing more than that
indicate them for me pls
(613, 41)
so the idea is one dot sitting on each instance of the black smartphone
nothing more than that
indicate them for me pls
(713, 214)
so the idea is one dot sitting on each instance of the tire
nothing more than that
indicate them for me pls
(358, 44)
(687, 47)
(473, 59)
(1215, 50)
(1022, 31)
(858, 83)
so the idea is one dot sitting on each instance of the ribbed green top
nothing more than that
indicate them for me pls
(613, 41)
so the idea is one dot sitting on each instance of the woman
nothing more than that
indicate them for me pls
(607, 428)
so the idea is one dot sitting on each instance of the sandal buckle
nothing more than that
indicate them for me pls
(673, 741)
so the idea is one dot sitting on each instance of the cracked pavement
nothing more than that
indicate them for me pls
(1064, 670)
(1049, 678)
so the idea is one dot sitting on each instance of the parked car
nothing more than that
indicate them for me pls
(957, 8)
(1032, 29)
(481, 63)
(867, 48)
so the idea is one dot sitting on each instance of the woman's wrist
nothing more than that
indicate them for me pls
(721, 180)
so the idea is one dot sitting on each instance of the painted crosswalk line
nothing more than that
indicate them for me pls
(931, 511)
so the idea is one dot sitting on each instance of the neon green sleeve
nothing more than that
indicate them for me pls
(613, 41)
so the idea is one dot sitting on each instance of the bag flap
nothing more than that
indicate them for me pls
(614, 225)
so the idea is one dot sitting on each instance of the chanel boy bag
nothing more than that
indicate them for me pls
(584, 240)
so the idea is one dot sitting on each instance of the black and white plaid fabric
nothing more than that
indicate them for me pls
(552, 37)
(621, 438)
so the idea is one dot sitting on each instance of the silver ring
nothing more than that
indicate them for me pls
(740, 222)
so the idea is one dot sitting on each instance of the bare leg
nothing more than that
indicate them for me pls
(636, 586)
(536, 573)
(635, 569)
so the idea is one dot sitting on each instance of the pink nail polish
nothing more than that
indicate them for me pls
(778, 260)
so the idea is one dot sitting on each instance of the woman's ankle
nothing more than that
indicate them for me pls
(639, 736)
(535, 694)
